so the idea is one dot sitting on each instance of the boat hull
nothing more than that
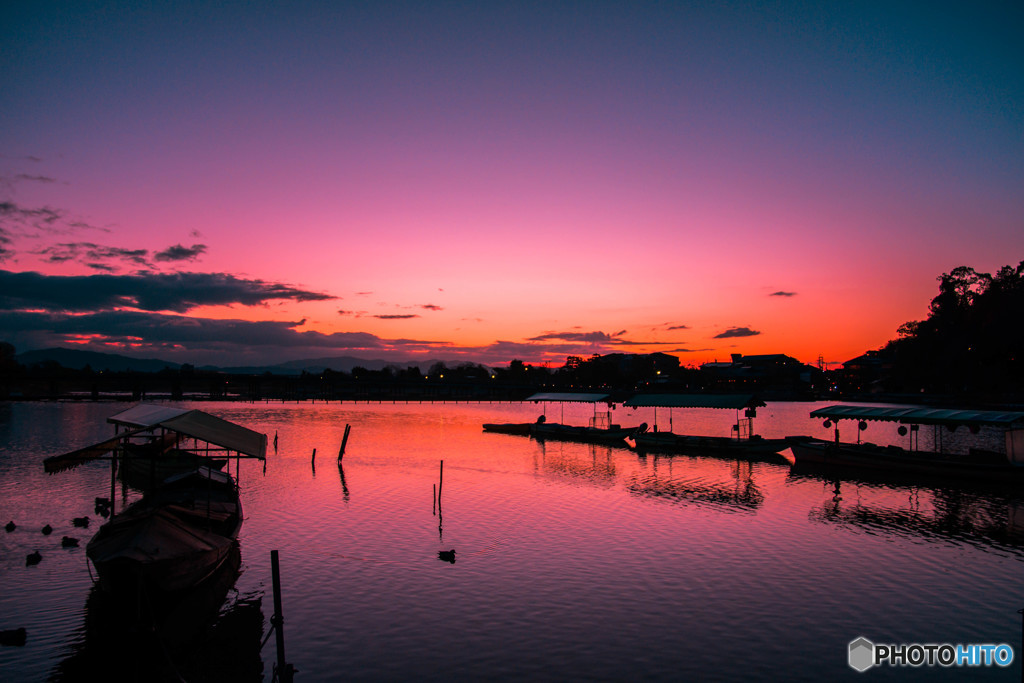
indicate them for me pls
(711, 445)
(520, 428)
(170, 540)
(869, 457)
(611, 435)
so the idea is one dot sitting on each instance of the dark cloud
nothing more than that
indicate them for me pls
(94, 255)
(578, 337)
(737, 332)
(178, 292)
(690, 350)
(180, 253)
(781, 293)
(35, 178)
(396, 316)
(430, 307)
(679, 327)
(45, 216)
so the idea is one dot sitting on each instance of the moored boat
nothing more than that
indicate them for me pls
(601, 429)
(743, 443)
(182, 529)
(977, 463)
(172, 539)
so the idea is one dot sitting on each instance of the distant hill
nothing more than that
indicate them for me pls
(77, 359)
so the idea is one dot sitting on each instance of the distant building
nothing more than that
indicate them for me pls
(761, 372)
(868, 373)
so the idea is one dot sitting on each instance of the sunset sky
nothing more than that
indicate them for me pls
(258, 182)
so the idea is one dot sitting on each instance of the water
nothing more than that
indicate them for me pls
(573, 561)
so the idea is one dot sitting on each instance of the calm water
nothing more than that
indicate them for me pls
(573, 561)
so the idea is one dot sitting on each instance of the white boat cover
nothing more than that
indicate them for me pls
(568, 397)
(734, 401)
(921, 416)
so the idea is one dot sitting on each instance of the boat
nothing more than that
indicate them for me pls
(172, 539)
(743, 444)
(601, 429)
(975, 464)
(183, 528)
(519, 428)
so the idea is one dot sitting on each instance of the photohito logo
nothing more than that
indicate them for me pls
(863, 654)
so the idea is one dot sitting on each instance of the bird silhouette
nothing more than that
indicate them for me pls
(47, 530)
(446, 555)
(33, 558)
(68, 542)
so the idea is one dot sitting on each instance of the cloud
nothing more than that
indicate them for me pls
(45, 216)
(430, 307)
(93, 255)
(784, 294)
(178, 292)
(396, 316)
(35, 178)
(737, 332)
(180, 253)
(679, 327)
(578, 337)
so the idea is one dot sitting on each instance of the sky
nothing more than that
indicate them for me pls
(236, 183)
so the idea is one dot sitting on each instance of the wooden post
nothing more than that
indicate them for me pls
(284, 669)
(440, 484)
(313, 460)
(344, 440)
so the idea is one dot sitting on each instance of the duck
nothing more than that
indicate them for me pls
(11, 526)
(47, 530)
(80, 521)
(33, 558)
(68, 542)
(446, 555)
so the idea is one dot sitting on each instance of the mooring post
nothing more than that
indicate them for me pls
(440, 484)
(313, 460)
(344, 440)
(284, 671)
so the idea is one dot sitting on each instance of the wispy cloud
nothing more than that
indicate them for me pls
(35, 178)
(93, 255)
(430, 307)
(396, 316)
(783, 294)
(737, 332)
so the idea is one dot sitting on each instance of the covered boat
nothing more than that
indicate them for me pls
(600, 430)
(743, 443)
(184, 527)
(172, 539)
(977, 463)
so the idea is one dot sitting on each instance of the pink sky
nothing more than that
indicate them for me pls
(490, 184)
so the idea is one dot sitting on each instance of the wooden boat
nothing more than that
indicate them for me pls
(975, 464)
(600, 430)
(744, 443)
(592, 434)
(172, 539)
(520, 428)
(182, 530)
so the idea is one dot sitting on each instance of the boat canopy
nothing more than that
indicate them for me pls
(921, 416)
(568, 397)
(145, 415)
(734, 401)
(195, 424)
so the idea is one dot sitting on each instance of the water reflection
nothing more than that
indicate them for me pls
(182, 637)
(941, 514)
(593, 463)
(729, 487)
